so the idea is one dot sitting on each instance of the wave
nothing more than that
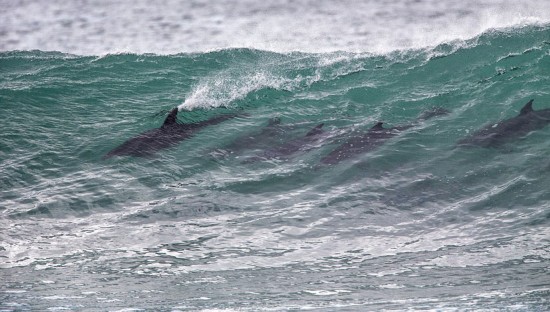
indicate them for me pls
(480, 80)
(417, 203)
(296, 71)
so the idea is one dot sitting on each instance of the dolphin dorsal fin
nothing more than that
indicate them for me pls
(527, 108)
(378, 126)
(315, 130)
(172, 118)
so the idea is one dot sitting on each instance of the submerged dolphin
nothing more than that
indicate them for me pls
(362, 143)
(292, 147)
(497, 134)
(265, 137)
(170, 133)
(376, 136)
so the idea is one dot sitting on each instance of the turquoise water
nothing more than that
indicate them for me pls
(417, 223)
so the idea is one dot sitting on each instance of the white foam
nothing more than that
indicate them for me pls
(107, 27)
(225, 88)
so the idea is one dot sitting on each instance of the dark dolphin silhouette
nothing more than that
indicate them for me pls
(169, 134)
(294, 146)
(376, 136)
(261, 139)
(362, 143)
(495, 135)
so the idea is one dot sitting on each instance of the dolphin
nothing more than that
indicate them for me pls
(362, 143)
(169, 134)
(263, 138)
(495, 135)
(294, 146)
(376, 136)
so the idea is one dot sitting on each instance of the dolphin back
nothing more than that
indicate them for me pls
(495, 135)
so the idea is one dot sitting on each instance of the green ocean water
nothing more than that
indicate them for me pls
(418, 222)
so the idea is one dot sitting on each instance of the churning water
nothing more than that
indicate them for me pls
(239, 218)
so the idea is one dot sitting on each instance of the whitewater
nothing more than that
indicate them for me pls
(247, 214)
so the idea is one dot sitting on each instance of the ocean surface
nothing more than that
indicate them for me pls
(246, 215)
